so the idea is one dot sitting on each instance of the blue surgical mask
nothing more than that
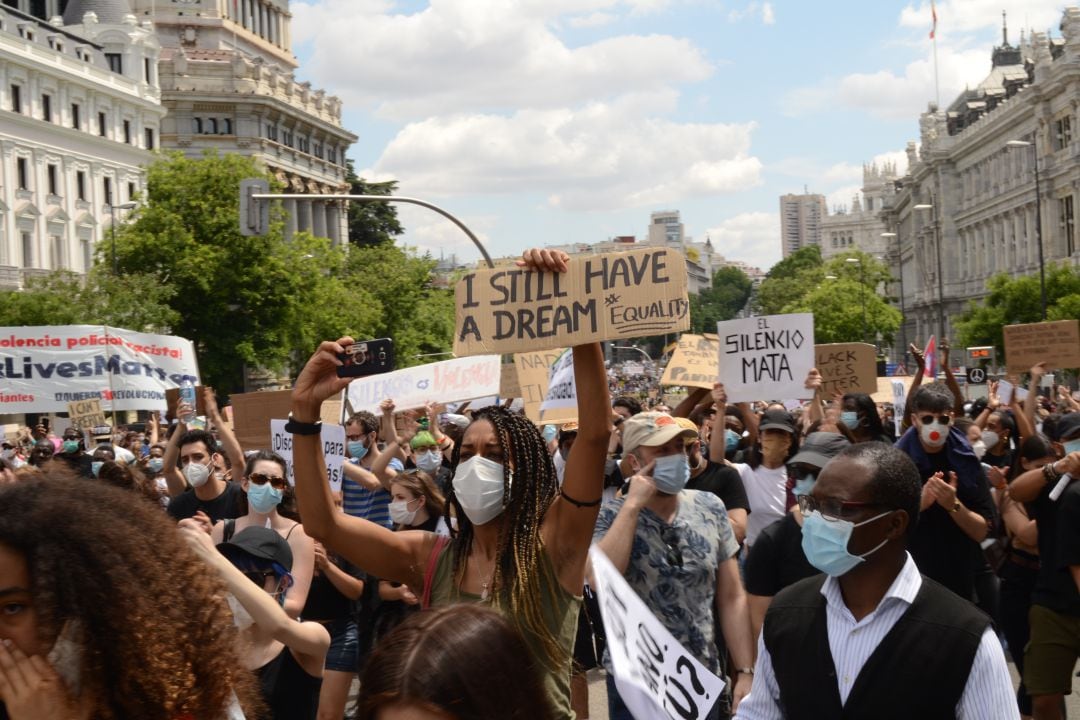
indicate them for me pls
(805, 484)
(550, 431)
(263, 498)
(155, 464)
(95, 467)
(1072, 446)
(429, 461)
(357, 449)
(731, 440)
(671, 473)
(825, 543)
(69, 446)
(850, 418)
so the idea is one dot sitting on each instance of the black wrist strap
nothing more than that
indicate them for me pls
(578, 503)
(295, 427)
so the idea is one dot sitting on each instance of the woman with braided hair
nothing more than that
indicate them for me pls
(521, 542)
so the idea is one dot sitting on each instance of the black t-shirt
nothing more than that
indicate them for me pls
(224, 506)
(942, 551)
(1059, 547)
(324, 601)
(1001, 461)
(776, 559)
(724, 482)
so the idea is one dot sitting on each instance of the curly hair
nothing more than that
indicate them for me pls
(516, 581)
(130, 479)
(155, 633)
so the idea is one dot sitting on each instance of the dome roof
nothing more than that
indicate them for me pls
(109, 12)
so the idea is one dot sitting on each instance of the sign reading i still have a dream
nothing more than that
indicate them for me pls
(611, 296)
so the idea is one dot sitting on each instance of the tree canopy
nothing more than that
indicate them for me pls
(730, 291)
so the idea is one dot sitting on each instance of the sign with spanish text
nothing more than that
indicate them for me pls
(610, 296)
(694, 362)
(333, 441)
(656, 676)
(766, 357)
(846, 368)
(1055, 343)
(534, 371)
(43, 368)
(440, 382)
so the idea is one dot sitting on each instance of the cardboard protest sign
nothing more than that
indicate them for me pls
(899, 399)
(1055, 343)
(694, 362)
(656, 676)
(85, 414)
(602, 297)
(446, 381)
(509, 387)
(333, 440)
(562, 390)
(252, 413)
(766, 357)
(533, 369)
(846, 368)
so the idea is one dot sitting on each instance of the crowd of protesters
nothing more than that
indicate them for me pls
(823, 565)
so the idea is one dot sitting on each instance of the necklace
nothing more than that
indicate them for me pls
(485, 582)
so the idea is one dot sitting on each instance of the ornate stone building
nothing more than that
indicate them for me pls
(860, 226)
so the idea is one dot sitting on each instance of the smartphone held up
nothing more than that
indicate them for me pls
(367, 357)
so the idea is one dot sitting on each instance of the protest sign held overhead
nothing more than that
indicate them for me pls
(333, 440)
(43, 368)
(766, 357)
(656, 676)
(534, 370)
(86, 414)
(440, 382)
(561, 391)
(847, 368)
(1055, 343)
(602, 297)
(508, 381)
(694, 362)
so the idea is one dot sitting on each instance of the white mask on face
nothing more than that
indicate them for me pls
(196, 474)
(478, 486)
(934, 434)
(429, 461)
(401, 514)
(980, 448)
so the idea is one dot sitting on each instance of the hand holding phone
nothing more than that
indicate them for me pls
(367, 357)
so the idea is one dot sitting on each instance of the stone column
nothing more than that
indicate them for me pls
(290, 219)
(333, 223)
(318, 218)
(303, 215)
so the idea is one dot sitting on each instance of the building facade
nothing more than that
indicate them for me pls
(80, 114)
(800, 221)
(967, 209)
(860, 226)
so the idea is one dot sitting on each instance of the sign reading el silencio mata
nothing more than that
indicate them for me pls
(1055, 343)
(609, 296)
(766, 357)
(693, 364)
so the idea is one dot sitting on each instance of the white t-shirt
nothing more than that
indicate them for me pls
(766, 490)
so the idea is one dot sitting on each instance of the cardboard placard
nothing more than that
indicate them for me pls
(1055, 343)
(656, 676)
(85, 414)
(172, 399)
(847, 368)
(509, 387)
(899, 400)
(885, 389)
(333, 440)
(766, 357)
(441, 382)
(609, 296)
(694, 362)
(562, 389)
(533, 370)
(252, 413)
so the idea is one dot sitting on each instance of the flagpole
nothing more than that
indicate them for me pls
(933, 37)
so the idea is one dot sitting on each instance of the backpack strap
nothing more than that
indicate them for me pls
(441, 541)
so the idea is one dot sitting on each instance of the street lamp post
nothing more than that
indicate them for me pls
(903, 313)
(112, 229)
(1038, 215)
(862, 293)
(940, 282)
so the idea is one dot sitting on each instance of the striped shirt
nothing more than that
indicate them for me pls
(373, 505)
(988, 694)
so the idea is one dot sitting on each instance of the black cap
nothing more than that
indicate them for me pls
(1068, 426)
(819, 448)
(777, 420)
(259, 542)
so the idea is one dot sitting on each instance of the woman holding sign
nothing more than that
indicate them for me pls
(521, 543)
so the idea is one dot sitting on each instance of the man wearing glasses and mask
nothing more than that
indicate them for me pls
(956, 507)
(873, 638)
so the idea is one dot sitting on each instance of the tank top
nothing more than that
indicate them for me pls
(560, 610)
(289, 692)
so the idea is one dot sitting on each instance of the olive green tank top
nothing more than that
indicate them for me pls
(560, 610)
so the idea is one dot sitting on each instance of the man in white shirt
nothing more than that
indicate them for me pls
(872, 637)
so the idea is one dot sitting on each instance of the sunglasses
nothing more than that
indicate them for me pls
(927, 419)
(258, 576)
(832, 508)
(276, 481)
(671, 540)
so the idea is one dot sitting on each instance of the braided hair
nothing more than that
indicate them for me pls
(516, 581)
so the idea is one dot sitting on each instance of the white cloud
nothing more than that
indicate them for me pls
(965, 16)
(596, 19)
(431, 233)
(753, 10)
(768, 17)
(752, 237)
(599, 157)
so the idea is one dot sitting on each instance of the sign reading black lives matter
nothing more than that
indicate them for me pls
(611, 296)
(766, 357)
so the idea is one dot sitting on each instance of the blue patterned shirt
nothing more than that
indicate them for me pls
(682, 598)
(373, 505)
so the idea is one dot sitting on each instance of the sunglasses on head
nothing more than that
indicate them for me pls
(927, 419)
(276, 481)
(671, 539)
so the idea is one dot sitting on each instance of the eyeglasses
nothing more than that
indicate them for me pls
(927, 419)
(258, 576)
(671, 539)
(832, 508)
(276, 481)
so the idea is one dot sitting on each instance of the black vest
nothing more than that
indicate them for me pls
(919, 670)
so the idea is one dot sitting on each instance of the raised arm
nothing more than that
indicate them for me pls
(718, 439)
(909, 406)
(950, 380)
(1031, 402)
(1026, 487)
(698, 396)
(229, 443)
(174, 479)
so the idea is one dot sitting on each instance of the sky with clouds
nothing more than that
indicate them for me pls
(543, 122)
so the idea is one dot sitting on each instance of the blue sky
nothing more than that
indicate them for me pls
(543, 122)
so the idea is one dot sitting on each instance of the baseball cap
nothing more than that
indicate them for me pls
(1068, 426)
(652, 429)
(260, 542)
(101, 431)
(777, 420)
(819, 448)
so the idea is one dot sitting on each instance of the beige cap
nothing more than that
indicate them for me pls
(651, 429)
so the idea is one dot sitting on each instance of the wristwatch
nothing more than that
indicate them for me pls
(955, 507)
(296, 427)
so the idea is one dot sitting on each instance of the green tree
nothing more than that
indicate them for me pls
(1013, 301)
(789, 280)
(729, 293)
(371, 223)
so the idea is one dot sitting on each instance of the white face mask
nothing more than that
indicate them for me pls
(934, 434)
(429, 461)
(400, 513)
(196, 474)
(478, 486)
